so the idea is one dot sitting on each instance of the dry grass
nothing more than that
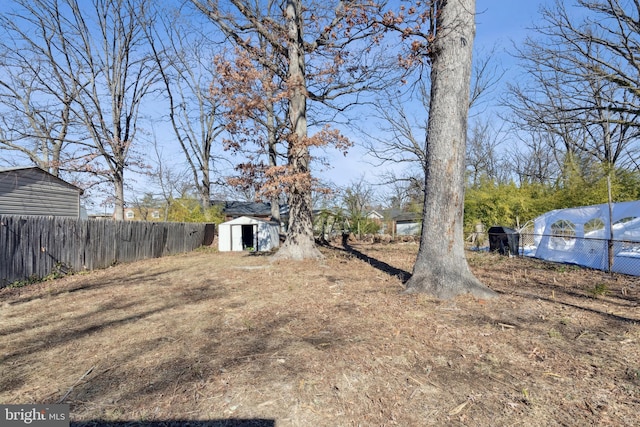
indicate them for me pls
(232, 339)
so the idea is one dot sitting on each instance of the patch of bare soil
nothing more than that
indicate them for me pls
(227, 339)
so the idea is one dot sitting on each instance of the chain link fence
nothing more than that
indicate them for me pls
(618, 256)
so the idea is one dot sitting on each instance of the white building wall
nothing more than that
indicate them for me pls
(230, 234)
(408, 228)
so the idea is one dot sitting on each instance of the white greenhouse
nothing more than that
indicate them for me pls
(581, 236)
(248, 233)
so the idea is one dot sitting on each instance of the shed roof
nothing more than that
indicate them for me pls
(248, 220)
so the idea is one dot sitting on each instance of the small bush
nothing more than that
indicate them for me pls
(600, 289)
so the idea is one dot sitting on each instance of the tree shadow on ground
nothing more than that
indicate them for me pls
(178, 423)
(401, 274)
(604, 314)
(82, 286)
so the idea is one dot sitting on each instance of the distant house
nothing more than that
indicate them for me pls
(247, 233)
(143, 214)
(379, 219)
(375, 216)
(34, 191)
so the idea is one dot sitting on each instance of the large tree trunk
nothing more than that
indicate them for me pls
(299, 243)
(272, 150)
(441, 267)
(118, 187)
(205, 185)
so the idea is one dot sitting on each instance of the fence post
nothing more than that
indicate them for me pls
(209, 234)
(610, 253)
(610, 240)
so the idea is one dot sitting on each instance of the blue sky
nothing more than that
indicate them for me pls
(499, 21)
(503, 23)
(499, 24)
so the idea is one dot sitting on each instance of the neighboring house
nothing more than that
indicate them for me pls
(376, 216)
(34, 191)
(235, 209)
(379, 219)
(142, 214)
(247, 233)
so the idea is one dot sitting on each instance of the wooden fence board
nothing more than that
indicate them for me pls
(34, 247)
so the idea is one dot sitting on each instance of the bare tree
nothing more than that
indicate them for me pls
(598, 44)
(400, 134)
(533, 161)
(404, 192)
(325, 33)
(171, 182)
(402, 120)
(186, 62)
(483, 159)
(441, 267)
(358, 197)
(91, 69)
(582, 89)
(117, 72)
(36, 88)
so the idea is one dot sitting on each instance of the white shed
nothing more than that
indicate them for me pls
(248, 233)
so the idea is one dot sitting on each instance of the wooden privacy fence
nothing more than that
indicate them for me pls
(35, 247)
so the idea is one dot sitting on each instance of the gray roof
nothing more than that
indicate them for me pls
(233, 208)
(401, 215)
(407, 217)
(40, 170)
(17, 168)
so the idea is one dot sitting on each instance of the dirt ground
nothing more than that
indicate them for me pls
(231, 339)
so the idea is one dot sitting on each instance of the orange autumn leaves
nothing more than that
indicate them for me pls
(255, 100)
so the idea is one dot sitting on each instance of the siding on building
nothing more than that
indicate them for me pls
(33, 191)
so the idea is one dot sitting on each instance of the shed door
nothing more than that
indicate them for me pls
(249, 236)
(236, 237)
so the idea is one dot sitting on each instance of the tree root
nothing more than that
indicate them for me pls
(447, 286)
(297, 252)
